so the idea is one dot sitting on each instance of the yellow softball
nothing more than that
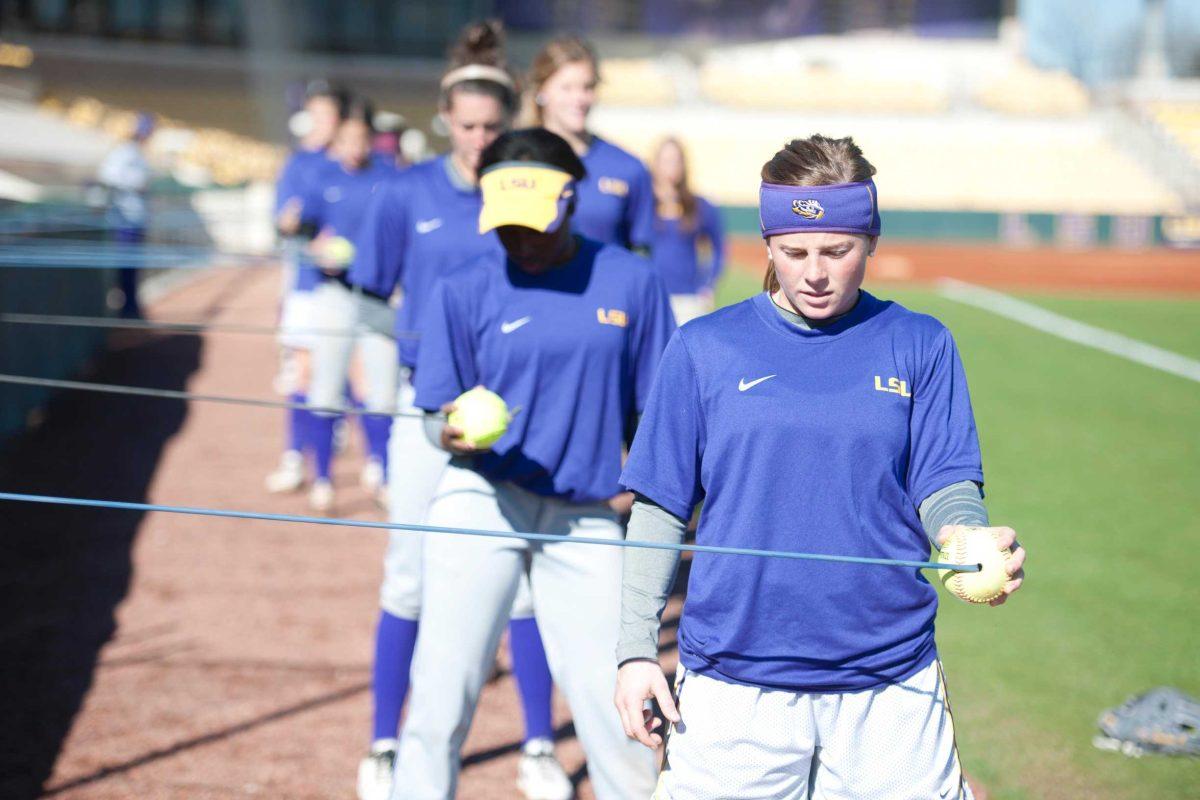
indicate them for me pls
(481, 415)
(338, 251)
(973, 545)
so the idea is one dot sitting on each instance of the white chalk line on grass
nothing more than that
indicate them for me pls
(1069, 329)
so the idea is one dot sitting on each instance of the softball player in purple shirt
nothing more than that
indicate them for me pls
(689, 237)
(323, 108)
(420, 228)
(813, 417)
(344, 188)
(615, 203)
(570, 331)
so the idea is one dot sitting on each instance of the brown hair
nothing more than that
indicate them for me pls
(555, 55)
(686, 198)
(815, 161)
(480, 43)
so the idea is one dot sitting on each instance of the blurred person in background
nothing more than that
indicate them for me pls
(615, 200)
(314, 128)
(421, 227)
(385, 144)
(341, 191)
(126, 174)
(689, 237)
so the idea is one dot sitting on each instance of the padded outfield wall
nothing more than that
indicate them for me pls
(46, 351)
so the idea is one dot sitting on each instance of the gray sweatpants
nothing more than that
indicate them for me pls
(337, 308)
(416, 470)
(469, 586)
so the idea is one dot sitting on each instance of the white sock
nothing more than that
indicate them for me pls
(382, 745)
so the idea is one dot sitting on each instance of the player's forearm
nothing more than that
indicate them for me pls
(957, 504)
(647, 578)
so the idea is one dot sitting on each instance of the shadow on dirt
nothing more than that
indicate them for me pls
(65, 570)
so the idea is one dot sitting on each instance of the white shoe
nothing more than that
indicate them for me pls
(540, 776)
(371, 478)
(289, 475)
(320, 496)
(375, 773)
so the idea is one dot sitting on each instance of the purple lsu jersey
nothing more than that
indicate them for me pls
(418, 228)
(616, 199)
(575, 349)
(676, 250)
(823, 441)
(338, 201)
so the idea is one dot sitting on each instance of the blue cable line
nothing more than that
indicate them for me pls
(107, 255)
(176, 394)
(97, 220)
(189, 327)
(532, 537)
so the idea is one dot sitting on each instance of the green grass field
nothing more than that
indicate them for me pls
(1095, 461)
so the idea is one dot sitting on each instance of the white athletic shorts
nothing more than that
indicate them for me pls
(894, 742)
(298, 320)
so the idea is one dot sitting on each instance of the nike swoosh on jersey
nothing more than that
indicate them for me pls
(743, 386)
(509, 327)
(428, 225)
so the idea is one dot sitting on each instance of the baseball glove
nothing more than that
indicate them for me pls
(1163, 720)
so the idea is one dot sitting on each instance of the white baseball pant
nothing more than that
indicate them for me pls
(470, 583)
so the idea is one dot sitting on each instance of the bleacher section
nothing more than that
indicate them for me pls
(1180, 120)
(817, 87)
(637, 82)
(966, 162)
(1028, 91)
(951, 125)
(195, 157)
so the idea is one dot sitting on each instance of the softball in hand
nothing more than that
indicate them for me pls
(972, 545)
(338, 251)
(481, 415)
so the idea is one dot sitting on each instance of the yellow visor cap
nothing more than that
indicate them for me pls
(523, 193)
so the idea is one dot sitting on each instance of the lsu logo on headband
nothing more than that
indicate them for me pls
(809, 209)
(836, 208)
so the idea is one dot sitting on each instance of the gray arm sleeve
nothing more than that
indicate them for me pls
(434, 422)
(957, 504)
(646, 579)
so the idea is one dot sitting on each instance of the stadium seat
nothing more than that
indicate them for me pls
(206, 154)
(1181, 121)
(817, 87)
(636, 82)
(1026, 90)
